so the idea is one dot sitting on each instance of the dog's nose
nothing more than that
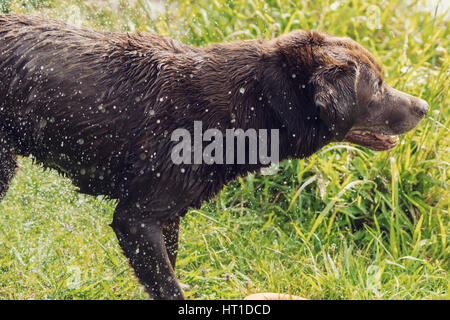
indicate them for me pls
(422, 107)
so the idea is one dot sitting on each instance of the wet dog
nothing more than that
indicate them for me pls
(100, 108)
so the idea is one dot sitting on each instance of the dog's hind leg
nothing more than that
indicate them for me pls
(143, 243)
(8, 165)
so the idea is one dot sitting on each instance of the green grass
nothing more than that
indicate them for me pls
(347, 223)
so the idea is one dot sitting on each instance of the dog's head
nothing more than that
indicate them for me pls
(347, 87)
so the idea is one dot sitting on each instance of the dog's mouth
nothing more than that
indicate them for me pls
(372, 140)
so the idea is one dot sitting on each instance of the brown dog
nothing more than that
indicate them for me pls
(100, 108)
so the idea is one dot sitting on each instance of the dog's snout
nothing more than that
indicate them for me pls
(421, 107)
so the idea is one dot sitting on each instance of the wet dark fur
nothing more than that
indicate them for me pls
(100, 108)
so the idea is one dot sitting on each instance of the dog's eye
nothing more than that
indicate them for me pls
(378, 87)
(380, 83)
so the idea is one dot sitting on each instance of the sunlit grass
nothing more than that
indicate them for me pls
(348, 223)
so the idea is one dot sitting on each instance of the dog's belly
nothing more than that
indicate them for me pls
(93, 170)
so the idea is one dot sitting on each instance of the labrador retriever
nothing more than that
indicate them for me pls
(101, 107)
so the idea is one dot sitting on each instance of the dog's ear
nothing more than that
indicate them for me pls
(283, 98)
(335, 97)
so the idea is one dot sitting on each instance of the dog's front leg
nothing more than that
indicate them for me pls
(170, 234)
(143, 244)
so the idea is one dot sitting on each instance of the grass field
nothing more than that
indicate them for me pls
(347, 223)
